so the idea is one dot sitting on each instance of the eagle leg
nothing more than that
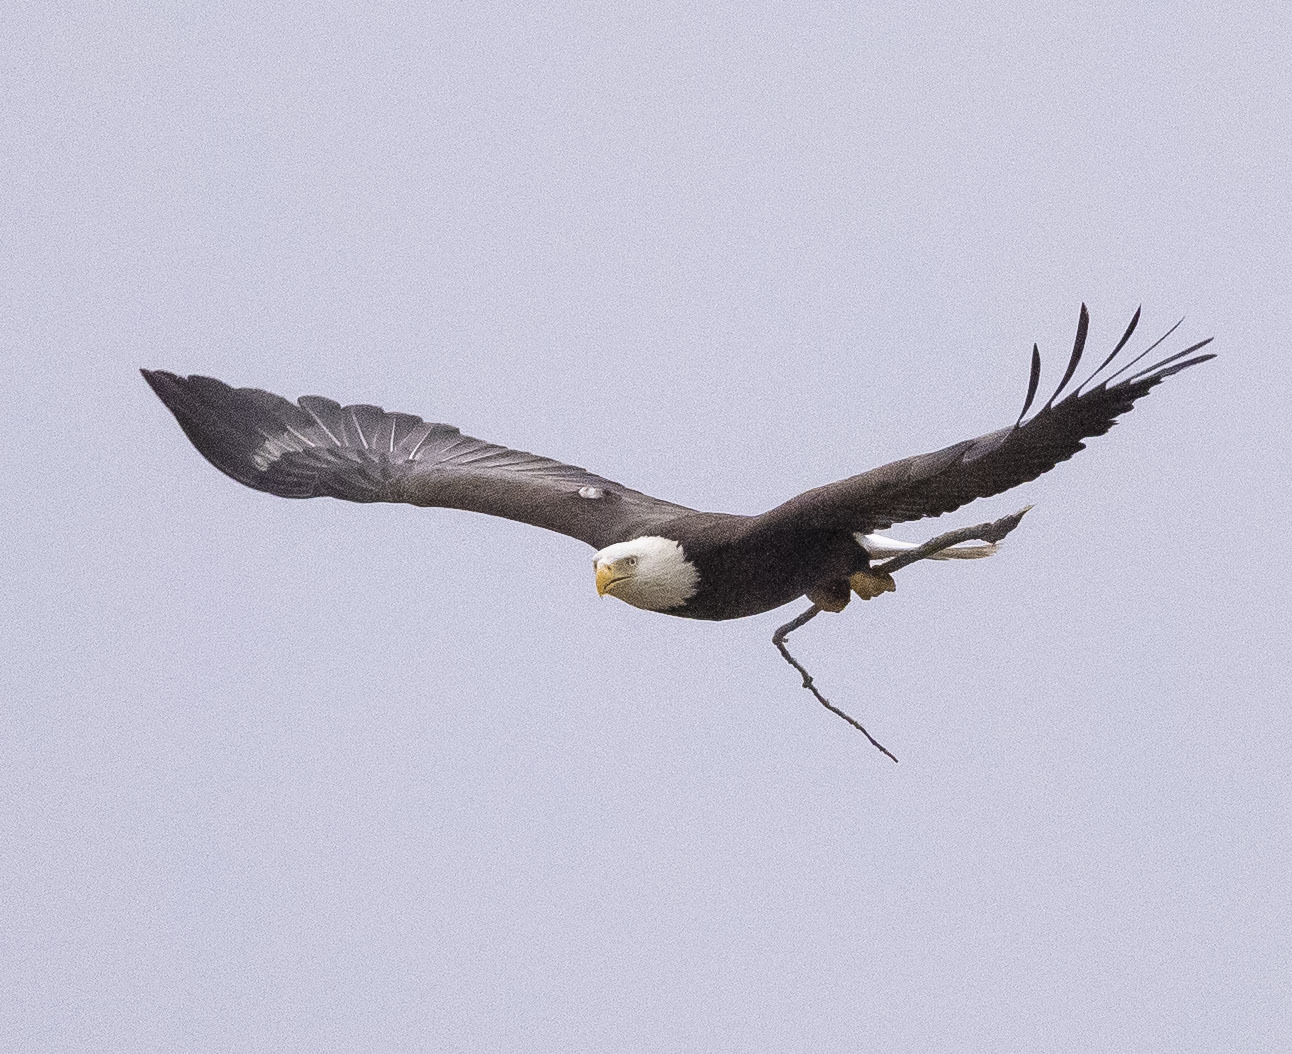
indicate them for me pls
(830, 596)
(833, 596)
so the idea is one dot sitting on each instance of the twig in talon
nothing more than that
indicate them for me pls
(992, 533)
(864, 586)
(778, 638)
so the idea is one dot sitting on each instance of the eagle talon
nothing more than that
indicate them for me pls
(869, 584)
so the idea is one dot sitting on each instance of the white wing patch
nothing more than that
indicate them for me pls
(274, 447)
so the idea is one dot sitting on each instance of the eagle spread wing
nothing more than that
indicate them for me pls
(931, 484)
(318, 447)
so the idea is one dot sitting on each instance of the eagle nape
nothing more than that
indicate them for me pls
(983, 532)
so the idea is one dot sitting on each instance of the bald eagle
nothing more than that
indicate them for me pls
(652, 553)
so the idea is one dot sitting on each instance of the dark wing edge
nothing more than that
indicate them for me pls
(942, 481)
(318, 448)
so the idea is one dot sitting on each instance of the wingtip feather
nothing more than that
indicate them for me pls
(1078, 347)
(1033, 381)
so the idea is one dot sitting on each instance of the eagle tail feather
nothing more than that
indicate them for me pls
(879, 546)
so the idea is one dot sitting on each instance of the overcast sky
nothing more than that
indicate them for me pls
(313, 776)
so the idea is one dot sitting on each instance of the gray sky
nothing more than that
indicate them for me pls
(311, 776)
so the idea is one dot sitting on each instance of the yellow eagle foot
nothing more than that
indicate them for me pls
(869, 584)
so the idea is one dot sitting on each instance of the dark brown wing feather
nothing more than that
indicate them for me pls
(931, 484)
(317, 447)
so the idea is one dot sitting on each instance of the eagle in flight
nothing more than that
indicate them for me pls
(652, 553)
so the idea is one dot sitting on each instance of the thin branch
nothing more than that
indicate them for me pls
(778, 638)
(983, 532)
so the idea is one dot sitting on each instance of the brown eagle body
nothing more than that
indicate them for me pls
(652, 553)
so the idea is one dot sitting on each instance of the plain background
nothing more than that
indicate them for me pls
(309, 776)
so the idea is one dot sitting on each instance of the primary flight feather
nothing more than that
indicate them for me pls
(652, 553)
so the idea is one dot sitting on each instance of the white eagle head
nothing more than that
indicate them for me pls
(648, 572)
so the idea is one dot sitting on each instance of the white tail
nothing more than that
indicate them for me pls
(879, 546)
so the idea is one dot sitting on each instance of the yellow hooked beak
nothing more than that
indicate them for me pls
(606, 578)
(605, 575)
